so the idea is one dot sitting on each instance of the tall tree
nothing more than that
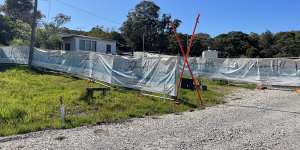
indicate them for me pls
(266, 41)
(19, 9)
(286, 44)
(233, 44)
(202, 42)
(141, 23)
(6, 30)
(121, 42)
(144, 22)
(61, 19)
(48, 36)
(253, 50)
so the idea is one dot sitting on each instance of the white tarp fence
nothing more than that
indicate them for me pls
(16, 55)
(149, 74)
(271, 71)
(157, 74)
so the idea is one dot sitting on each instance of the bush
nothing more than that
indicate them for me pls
(19, 42)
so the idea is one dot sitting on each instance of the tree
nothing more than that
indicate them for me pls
(254, 40)
(252, 52)
(166, 34)
(173, 46)
(121, 42)
(233, 44)
(61, 19)
(265, 43)
(48, 36)
(14, 30)
(6, 31)
(286, 44)
(99, 32)
(19, 10)
(71, 31)
(21, 33)
(201, 43)
(144, 22)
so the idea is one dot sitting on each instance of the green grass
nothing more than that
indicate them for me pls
(29, 101)
(236, 84)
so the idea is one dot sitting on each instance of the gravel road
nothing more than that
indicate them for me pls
(250, 120)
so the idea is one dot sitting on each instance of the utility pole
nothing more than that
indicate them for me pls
(144, 44)
(187, 41)
(33, 31)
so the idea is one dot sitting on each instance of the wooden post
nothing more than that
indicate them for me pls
(62, 110)
(33, 32)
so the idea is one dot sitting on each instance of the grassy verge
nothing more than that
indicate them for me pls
(29, 101)
(235, 84)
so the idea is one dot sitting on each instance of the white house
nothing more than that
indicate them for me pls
(72, 42)
(210, 54)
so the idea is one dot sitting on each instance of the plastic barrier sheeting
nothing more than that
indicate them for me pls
(16, 55)
(149, 74)
(157, 73)
(272, 71)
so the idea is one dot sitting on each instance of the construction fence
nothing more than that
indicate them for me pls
(269, 71)
(157, 73)
(153, 74)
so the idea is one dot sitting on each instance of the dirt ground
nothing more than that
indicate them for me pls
(250, 120)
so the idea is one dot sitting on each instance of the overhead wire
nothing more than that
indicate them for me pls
(49, 10)
(88, 12)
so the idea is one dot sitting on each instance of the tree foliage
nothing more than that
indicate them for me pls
(48, 36)
(99, 32)
(237, 44)
(13, 30)
(144, 22)
(19, 10)
(5, 30)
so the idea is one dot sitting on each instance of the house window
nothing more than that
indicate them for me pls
(87, 45)
(67, 46)
(82, 45)
(94, 46)
(108, 49)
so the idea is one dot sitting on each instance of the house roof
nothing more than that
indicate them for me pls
(83, 36)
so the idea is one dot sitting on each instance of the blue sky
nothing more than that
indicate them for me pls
(217, 16)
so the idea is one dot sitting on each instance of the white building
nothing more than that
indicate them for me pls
(72, 42)
(210, 54)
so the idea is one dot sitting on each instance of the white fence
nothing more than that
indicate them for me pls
(157, 74)
(271, 71)
(17, 55)
(153, 74)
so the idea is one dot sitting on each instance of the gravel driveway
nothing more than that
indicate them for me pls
(250, 120)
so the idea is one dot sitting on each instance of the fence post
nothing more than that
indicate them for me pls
(62, 110)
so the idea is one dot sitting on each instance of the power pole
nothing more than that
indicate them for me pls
(33, 31)
(143, 44)
(187, 41)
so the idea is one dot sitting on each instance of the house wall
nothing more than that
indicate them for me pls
(72, 43)
(101, 45)
(210, 54)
